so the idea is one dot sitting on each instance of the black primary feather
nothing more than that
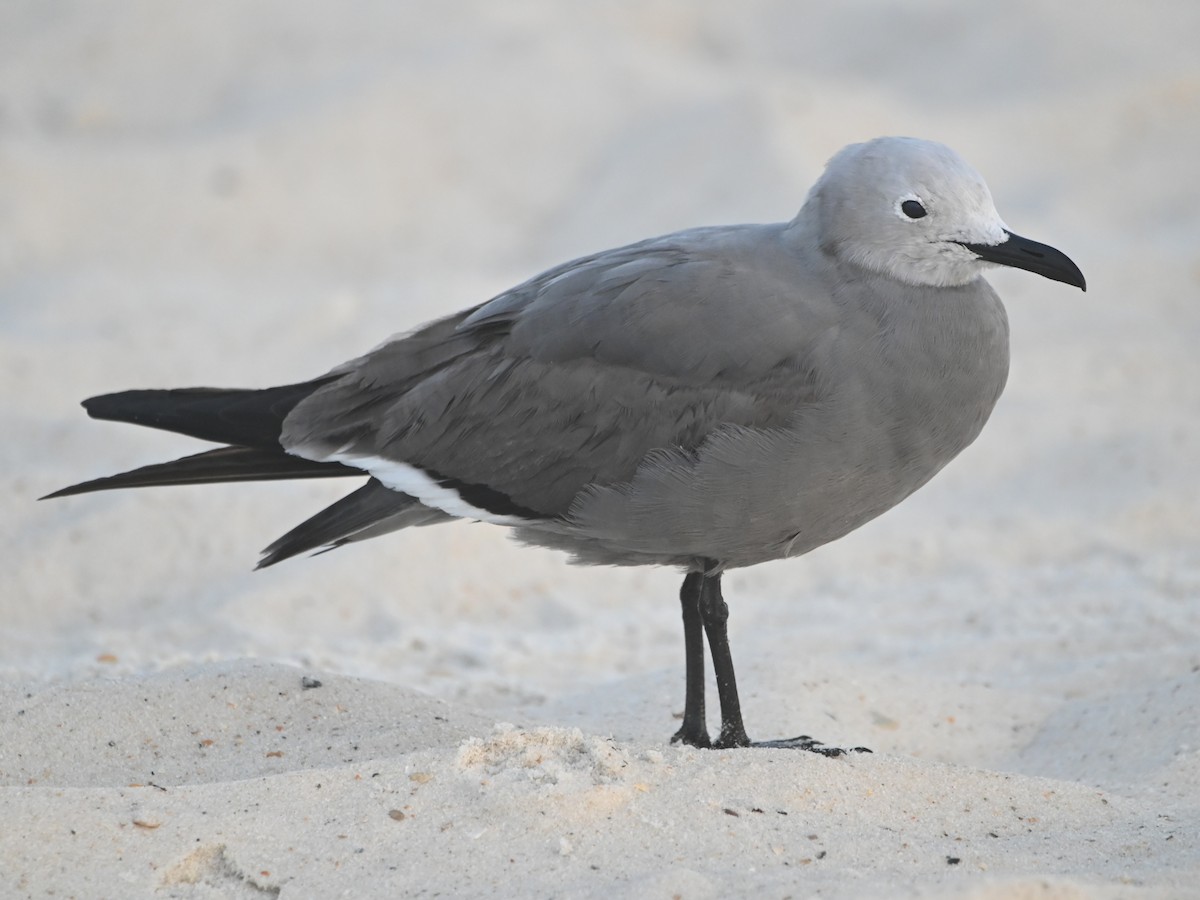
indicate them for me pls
(336, 524)
(222, 464)
(249, 420)
(245, 417)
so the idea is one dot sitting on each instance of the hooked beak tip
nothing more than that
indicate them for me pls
(1041, 259)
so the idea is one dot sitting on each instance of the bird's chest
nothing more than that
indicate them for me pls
(902, 406)
(934, 385)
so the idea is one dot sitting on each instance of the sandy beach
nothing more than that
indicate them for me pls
(246, 194)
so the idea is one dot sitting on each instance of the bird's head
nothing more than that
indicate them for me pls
(918, 212)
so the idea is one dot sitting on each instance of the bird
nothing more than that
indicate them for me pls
(706, 400)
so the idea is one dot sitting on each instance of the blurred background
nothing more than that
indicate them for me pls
(247, 193)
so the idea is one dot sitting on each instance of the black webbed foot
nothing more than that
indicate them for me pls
(804, 742)
(692, 737)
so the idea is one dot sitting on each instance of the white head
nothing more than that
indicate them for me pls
(916, 211)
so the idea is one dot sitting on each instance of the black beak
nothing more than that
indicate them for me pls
(1022, 253)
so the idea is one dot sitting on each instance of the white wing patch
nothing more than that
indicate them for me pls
(400, 476)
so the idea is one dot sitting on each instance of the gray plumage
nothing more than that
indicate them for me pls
(709, 399)
(739, 394)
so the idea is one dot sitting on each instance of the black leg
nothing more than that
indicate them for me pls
(714, 613)
(694, 730)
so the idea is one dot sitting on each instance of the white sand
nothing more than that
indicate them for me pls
(248, 193)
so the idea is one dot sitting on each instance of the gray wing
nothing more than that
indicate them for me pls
(576, 377)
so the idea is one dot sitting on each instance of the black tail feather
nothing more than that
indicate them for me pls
(244, 417)
(222, 464)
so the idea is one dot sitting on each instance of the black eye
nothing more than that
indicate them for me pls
(913, 209)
